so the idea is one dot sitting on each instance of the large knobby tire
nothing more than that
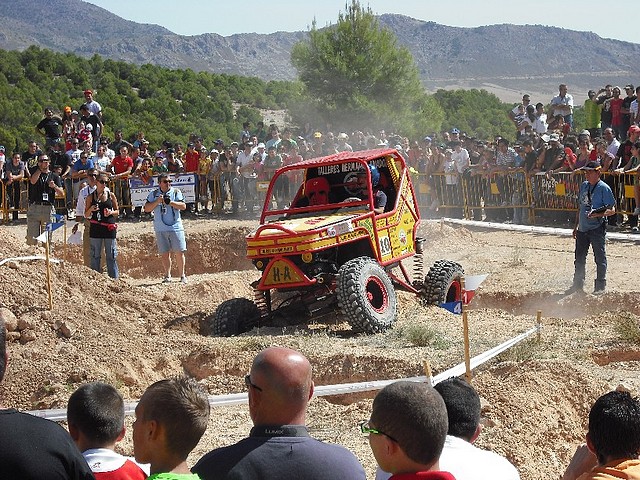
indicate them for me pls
(366, 295)
(442, 283)
(233, 317)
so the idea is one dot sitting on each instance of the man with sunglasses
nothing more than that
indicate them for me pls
(460, 456)
(279, 446)
(166, 203)
(407, 431)
(44, 185)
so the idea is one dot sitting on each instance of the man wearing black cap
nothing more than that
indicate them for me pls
(595, 202)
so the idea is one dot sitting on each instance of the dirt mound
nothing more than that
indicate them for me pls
(136, 330)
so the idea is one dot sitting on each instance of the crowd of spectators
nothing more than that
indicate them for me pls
(229, 172)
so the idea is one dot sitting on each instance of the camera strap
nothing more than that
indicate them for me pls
(279, 431)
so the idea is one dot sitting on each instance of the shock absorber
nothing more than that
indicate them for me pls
(262, 301)
(418, 263)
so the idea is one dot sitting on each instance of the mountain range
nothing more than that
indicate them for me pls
(507, 60)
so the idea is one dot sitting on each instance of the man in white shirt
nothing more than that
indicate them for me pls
(562, 104)
(459, 456)
(245, 181)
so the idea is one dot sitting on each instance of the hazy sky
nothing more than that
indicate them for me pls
(193, 17)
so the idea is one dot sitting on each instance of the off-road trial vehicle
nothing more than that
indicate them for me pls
(330, 253)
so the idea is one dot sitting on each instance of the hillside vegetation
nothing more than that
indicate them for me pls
(170, 104)
(164, 103)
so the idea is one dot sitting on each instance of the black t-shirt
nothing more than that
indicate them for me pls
(116, 146)
(34, 449)
(51, 126)
(60, 160)
(605, 113)
(40, 192)
(31, 160)
(530, 160)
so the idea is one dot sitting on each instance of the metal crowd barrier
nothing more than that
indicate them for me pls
(458, 196)
(526, 197)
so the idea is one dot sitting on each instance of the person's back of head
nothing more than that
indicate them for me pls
(96, 411)
(412, 416)
(284, 379)
(463, 407)
(614, 427)
(180, 408)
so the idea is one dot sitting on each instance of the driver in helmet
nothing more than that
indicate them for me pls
(379, 197)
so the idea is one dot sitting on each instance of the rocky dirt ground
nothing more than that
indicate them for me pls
(136, 330)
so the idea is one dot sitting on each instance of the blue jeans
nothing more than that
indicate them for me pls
(111, 252)
(595, 238)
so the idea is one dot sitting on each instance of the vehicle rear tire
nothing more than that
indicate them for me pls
(442, 283)
(366, 295)
(233, 317)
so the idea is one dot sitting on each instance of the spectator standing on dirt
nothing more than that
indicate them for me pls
(459, 456)
(81, 203)
(101, 208)
(613, 441)
(34, 448)
(44, 185)
(595, 202)
(166, 203)
(280, 387)
(95, 414)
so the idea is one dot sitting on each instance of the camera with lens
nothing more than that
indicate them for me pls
(167, 198)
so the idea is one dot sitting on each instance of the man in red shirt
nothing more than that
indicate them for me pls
(121, 167)
(190, 160)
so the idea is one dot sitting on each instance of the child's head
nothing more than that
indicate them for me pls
(614, 427)
(171, 416)
(96, 412)
(410, 419)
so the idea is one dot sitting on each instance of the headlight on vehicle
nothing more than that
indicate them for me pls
(307, 257)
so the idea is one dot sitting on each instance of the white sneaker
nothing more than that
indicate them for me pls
(183, 279)
(166, 279)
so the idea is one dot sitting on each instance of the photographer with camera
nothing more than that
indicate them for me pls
(166, 203)
(44, 185)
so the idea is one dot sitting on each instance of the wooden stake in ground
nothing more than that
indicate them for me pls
(539, 323)
(48, 272)
(426, 366)
(465, 332)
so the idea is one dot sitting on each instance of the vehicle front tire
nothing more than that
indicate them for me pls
(442, 283)
(233, 317)
(366, 295)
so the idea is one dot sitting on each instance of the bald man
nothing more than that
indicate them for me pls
(279, 446)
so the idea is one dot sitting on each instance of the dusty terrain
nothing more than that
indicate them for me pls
(136, 330)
